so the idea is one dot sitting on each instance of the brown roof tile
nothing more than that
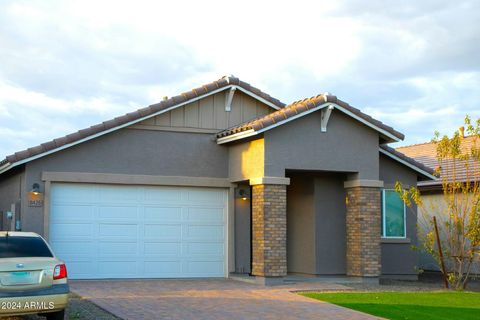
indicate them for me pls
(426, 153)
(138, 114)
(49, 145)
(299, 107)
(59, 142)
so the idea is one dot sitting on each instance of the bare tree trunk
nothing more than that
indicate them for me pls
(440, 253)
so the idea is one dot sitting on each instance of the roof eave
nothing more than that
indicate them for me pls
(11, 165)
(384, 133)
(410, 165)
(5, 167)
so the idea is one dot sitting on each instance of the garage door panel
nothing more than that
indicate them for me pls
(204, 232)
(169, 268)
(197, 248)
(114, 248)
(162, 248)
(210, 196)
(162, 195)
(108, 231)
(119, 194)
(62, 231)
(204, 267)
(118, 212)
(63, 248)
(71, 212)
(73, 193)
(82, 269)
(163, 214)
(205, 215)
(117, 268)
(117, 230)
(163, 231)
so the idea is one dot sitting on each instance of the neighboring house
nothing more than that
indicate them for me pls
(432, 191)
(218, 180)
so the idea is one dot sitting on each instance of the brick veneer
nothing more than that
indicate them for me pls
(269, 230)
(363, 231)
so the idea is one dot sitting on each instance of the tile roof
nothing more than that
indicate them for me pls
(138, 114)
(299, 107)
(410, 160)
(426, 153)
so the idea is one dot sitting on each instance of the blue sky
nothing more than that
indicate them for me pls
(65, 65)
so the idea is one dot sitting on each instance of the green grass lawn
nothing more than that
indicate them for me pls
(408, 305)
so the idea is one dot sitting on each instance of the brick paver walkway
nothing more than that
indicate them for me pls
(210, 299)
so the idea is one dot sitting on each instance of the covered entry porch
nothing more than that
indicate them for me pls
(314, 224)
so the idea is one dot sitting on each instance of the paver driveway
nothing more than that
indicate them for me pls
(209, 299)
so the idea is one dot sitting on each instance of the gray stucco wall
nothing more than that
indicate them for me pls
(246, 160)
(399, 258)
(347, 146)
(330, 232)
(11, 186)
(300, 225)
(128, 151)
(242, 233)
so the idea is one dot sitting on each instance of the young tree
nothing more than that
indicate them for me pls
(456, 244)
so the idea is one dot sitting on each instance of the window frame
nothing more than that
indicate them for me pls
(384, 235)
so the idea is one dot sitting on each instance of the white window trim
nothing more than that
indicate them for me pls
(384, 220)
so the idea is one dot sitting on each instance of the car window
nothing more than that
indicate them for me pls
(12, 247)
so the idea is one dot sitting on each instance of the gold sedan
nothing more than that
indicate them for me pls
(32, 279)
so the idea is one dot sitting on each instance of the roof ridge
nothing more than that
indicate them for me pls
(150, 110)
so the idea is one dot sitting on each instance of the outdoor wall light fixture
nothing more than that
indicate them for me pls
(35, 189)
(35, 197)
(243, 194)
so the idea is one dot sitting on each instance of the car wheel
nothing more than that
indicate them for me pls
(59, 315)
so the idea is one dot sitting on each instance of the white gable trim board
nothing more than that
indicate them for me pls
(405, 163)
(329, 105)
(134, 231)
(9, 166)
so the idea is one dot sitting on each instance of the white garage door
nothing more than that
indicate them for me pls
(114, 231)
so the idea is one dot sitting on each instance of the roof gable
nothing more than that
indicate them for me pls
(209, 113)
(302, 108)
(135, 117)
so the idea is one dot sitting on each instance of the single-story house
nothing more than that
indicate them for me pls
(219, 180)
(432, 193)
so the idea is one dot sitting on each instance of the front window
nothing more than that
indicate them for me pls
(393, 215)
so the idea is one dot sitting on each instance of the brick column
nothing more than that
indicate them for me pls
(269, 230)
(363, 230)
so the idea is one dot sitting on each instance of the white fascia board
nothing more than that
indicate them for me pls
(411, 166)
(5, 167)
(2, 169)
(368, 124)
(9, 165)
(324, 105)
(253, 95)
(297, 116)
(237, 136)
(252, 132)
